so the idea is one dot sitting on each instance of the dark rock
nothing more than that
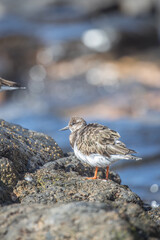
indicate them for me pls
(57, 202)
(4, 194)
(75, 221)
(8, 172)
(22, 150)
(64, 181)
(155, 214)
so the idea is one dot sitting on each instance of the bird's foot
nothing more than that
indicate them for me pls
(90, 178)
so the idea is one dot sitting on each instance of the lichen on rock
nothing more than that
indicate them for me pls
(23, 150)
(64, 181)
(53, 200)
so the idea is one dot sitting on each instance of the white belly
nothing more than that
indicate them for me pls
(95, 160)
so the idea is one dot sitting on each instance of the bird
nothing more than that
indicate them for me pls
(8, 85)
(97, 145)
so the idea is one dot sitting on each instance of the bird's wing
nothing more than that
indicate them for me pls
(96, 138)
(7, 83)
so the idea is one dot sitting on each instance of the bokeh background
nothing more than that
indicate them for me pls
(98, 59)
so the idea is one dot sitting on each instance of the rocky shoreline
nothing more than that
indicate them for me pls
(44, 195)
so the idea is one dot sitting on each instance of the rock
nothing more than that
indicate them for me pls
(155, 214)
(22, 150)
(76, 221)
(4, 194)
(56, 202)
(64, 181)
(8, 172)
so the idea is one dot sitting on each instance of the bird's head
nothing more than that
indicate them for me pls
(75, 123)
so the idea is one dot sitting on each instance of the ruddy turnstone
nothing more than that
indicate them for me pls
(96, 144)
(8, 85)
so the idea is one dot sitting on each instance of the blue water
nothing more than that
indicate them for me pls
(141, 177)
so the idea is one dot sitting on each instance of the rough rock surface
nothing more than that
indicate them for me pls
(76, 221)
(64, 181)
(55, 201)
(5, 195)
(22, 150)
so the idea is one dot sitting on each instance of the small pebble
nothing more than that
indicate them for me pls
(154, 204)
(28, 178)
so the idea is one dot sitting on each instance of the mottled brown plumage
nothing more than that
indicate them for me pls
(7, 83)
(96, 144)
(96, 138)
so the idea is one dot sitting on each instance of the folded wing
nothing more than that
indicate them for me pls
(8, 83)
(96, 138)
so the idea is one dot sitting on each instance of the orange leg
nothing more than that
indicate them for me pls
(107, 172)
(95, 174)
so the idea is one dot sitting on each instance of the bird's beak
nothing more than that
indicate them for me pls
(65, 128)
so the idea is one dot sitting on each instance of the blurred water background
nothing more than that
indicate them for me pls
(91, 58)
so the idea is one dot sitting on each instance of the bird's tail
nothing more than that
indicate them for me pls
(130, 157)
